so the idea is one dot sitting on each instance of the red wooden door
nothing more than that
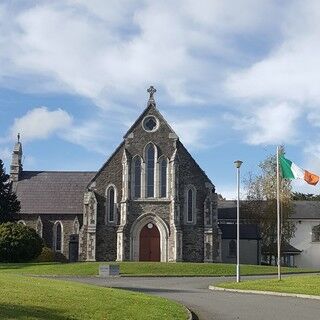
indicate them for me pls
(149, 243)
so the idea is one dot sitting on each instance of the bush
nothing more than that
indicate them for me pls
(60, 257)
(18, 243)
(46, 255)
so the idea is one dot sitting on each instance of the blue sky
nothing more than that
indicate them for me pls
(234, 79)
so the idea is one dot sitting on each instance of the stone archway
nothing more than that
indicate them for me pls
(135, 233)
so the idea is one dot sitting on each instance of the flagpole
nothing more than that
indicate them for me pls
(278, 216)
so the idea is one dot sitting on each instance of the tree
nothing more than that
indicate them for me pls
(9, 204)
(305, 196)
(261, 205)
(19, 243)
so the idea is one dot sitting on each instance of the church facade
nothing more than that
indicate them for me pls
(150, 201)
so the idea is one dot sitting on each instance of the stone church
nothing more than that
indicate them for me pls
(150, 201)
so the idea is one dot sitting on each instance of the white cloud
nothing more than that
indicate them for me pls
(229, 192)
(91, 135)
(270, 124)
(191, 131)
(5, 154)
(40, 123)
(291, 71)
(104, 50)
(202, 52)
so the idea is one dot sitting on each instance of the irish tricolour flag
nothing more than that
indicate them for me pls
(291, 171)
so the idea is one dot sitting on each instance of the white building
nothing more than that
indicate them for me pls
(306, 217)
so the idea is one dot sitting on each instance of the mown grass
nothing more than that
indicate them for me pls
(28, 298)
(309, 285)
(143, 269)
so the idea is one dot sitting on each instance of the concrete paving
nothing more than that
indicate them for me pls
(193, 292)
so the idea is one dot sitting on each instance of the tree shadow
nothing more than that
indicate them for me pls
(153, 290)
(15, 311)
(21, 265)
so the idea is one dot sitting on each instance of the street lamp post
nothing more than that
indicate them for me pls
(238, 164)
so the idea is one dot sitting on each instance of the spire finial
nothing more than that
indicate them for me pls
(18, 137)
(151, 91)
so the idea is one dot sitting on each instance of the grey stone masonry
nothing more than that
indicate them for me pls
(181, 240)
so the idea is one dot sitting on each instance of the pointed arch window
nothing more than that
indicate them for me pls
(190, 205)
(111, 204)
(136, 177)
(57, 236)
(76, 226)
(150, 169)
(39, 227)
(163, 177)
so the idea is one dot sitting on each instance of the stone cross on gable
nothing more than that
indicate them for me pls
(151, 91)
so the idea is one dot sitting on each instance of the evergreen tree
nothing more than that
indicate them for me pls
(261, 205)
(9, 204)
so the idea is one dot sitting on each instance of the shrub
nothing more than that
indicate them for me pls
(18, 243)
(60, 257)
(46, 255)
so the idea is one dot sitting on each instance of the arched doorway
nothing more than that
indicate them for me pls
(149, 249)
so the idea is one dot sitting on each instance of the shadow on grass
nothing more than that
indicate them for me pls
(153, 290)
(14, 311)
(21, 265)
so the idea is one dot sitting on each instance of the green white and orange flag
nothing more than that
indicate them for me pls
(291, 171)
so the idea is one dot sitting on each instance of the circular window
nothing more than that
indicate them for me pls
(150, 226)
(150, 124)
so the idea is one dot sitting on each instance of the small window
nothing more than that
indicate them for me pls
(316, 234)
(190, 206)
(58, 234)
(111, 204)
(163, 178)
(150, 124)
(232, 248)
(76, 226)
(39, 227)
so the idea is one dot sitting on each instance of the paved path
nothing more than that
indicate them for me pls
(194, 293)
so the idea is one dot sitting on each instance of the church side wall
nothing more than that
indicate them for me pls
(48, 221)
(193, 234)
(106, 234)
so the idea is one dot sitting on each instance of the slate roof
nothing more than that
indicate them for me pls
(43, 192)
(286, 248)
(227, 213)
(306, 210)
(302, 209)
(247, 231)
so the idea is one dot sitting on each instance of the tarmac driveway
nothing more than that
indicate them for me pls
(193, 292)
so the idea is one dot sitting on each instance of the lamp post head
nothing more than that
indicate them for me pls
(238, 164)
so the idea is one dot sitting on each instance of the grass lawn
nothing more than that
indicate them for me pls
(309, 285)
(143, 269)
(27, 298)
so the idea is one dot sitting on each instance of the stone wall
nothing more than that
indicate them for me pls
(48, 221)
